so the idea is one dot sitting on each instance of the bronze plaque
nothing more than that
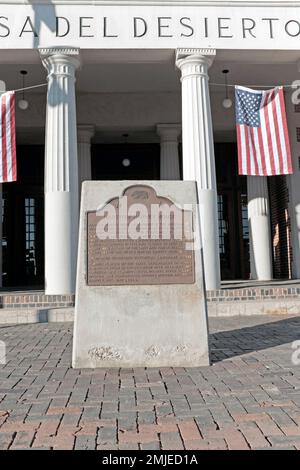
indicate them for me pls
(157, 257)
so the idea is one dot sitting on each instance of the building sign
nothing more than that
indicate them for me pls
(148, 26)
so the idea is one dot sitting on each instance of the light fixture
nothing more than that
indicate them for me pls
(23, 103)
(126, 162)
(227, 102)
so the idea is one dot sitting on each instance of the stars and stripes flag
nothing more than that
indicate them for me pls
(262, 132)
(8, 158)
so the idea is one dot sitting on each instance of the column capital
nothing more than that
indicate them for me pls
(168, 132)
(191, 54)
(85, 132)
(53, 58)
(193, 62)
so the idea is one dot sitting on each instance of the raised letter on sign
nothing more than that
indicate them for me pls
(183, 22)
(143, 25)
(105, 30)
(60, 19)
(247, 27)
(5, 27)
(31, 30)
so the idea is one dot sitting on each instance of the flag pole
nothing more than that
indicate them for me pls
(2, 90)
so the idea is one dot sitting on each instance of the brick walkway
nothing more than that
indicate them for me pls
(249, 398)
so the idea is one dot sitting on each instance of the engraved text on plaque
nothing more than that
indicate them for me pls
(127, 261)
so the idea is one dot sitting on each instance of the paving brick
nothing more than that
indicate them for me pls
(128, 446)
(249, 398)
(107, 435)
(70, 419)
(196, 444)
(23, 440)
(42, 441)
(291, 430)
(235, 440)
(217, 444)
(282, 441)
(146, 417)
(253, 435)
(127, 420)
(49, 428)
(189, 430)
(280, 417)
(67, 442)
(268, 426)
(6, 439)
(171, 441)
(85, 442)
(153, 445)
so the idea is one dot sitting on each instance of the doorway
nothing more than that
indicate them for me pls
(23, 222)
(232, 214)
(126, 162)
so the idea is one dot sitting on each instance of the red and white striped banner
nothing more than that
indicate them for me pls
(262, 132)
(8, 157)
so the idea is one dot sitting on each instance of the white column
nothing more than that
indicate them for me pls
(2, 90)
(85, 132)
(259, 228)
(169, 157)
(292, 98)
(198, 151)
(61, 171)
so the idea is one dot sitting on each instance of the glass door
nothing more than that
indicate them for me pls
(23, 239)
(23, 222)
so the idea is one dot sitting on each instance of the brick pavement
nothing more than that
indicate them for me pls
(248, 398)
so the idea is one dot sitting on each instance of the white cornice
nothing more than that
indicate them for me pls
(229, 3)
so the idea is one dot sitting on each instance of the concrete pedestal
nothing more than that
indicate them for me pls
(153, 325)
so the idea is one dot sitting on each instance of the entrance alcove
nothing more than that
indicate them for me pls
(131, 92)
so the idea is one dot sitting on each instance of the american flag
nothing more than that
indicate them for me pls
(262, 132)
(8, 159)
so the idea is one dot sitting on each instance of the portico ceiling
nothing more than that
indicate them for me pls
(153, 71)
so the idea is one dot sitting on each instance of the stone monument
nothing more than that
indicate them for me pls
(140, 296)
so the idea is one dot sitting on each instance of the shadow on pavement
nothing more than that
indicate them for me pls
(239, 341)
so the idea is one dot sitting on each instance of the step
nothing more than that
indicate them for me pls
(36, 315)
(34, 299)
(271, 300)
(217, 307)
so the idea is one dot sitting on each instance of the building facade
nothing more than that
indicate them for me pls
(135, 90)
